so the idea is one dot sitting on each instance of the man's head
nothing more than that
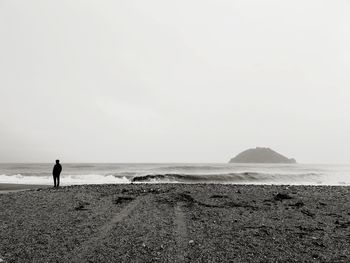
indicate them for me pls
(57, 161)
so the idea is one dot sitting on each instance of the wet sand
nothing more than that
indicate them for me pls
(7, 188)
(176, 223)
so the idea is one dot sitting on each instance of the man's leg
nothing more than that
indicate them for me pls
(58, 181)
(54, 181)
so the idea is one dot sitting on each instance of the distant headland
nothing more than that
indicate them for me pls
(261, 155)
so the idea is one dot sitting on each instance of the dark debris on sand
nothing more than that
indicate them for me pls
(122, 199)
(282, 196)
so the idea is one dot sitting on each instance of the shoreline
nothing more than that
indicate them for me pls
(176, 223)
(9, 188)
(6, 188)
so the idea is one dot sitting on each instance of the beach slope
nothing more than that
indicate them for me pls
(176, 223)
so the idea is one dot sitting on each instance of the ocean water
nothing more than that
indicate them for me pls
(92, 173)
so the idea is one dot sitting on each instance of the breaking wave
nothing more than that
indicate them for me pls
(125, 178)
(242, 177)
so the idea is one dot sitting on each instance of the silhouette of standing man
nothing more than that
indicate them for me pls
(57, 169)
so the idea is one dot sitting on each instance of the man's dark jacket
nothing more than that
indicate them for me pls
(57, 170)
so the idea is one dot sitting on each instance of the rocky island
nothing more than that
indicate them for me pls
(261, 155)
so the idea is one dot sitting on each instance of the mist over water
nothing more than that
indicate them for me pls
(82, 173)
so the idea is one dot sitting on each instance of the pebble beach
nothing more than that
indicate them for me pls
(176, 223)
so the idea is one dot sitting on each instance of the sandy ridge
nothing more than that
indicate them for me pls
(180, 233)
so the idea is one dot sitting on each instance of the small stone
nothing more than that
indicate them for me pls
(315, 256)
(191, 242)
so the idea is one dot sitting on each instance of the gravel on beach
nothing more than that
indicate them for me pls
(176, 223)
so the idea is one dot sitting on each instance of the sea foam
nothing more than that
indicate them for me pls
(65, 179)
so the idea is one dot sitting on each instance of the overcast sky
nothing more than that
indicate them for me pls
(174, 81)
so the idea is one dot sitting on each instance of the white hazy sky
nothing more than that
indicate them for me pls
(174, 81)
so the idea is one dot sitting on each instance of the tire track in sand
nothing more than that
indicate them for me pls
(181, 237)
(79, 253)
